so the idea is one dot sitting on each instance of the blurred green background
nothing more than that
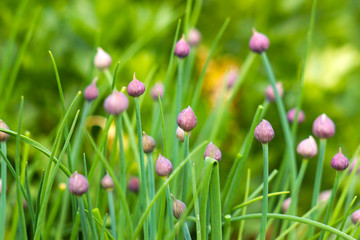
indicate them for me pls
(139, 34)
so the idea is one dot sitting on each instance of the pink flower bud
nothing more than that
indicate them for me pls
(78, 184)
(213, 151)
(134, 184)
(148, 143)
(258, 42)
(270, 94)
(107, 183)
(291, 116)
(157, 89)
(135, 88)
(307, 148)
(187, 119)
(91, 92)
(3, 136)
(323, 127)
(116, 103)
(339, 162)
(182, 48)
(163, 166)
(264, 132)
(102, 59)
(194, 37)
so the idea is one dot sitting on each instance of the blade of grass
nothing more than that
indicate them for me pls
(215, 202)
(75, 228)
(242, 205)
(247, 188)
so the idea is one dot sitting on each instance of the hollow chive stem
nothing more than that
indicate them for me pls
(169, 207)
(317, 183)
(186, 231)
(185, 171)
(83, 221)
(151, 182)
(110, 196)
(331, 203)
(118, 124)
(143, 182)
(265, 147)
(283, 119)
(3, 192)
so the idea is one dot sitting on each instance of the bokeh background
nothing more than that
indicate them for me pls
(139, 34)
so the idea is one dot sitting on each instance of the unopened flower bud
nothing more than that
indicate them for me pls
(194, 37)
(91, 92)
(213, 151)
(163, 166)
(323, 127)
(339, 162)
(258, 42)
(178, 207)
(291, 115)
(182, 48)
(116, 103)
(135, 88)
(355, 217)
(134, 184)
(180, 134)
(324, 196)
(78, 184)
(286, 204)
(270, 94)
(231, 77)
(307, 148)
(3, 136)
(187, 119)
(264, 132)
(148, 143)
(107, 183)
(157, 90)
(102, 59)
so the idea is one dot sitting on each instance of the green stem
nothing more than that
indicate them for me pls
(196, 202)
(348, 212)
(185, 171)
(283, 119)
(227, 229)
(331, 203)
(186, 231)
(110, 196)
(169, 208)
(215, 203)
(143, 182)
(3, 192)
(161, 218)
(151, 182)
(118, 123)
(83, 221)
(265, 191)
(317, 183)
(242, 223)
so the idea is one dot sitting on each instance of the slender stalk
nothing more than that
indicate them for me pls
(215, 203)
(110, 196)
(118, 124)
(331, 203)
(196, 201)
(84, 225)
(265, 191)
(143, 182)
(317, 183)
(161, 218)
(151, 182)
(185, 171)
(186, 231)
(3, 192)
(75, 228)
(227, 229)
(283, 119)
(169, 208)
(242, 223)
(348, 212)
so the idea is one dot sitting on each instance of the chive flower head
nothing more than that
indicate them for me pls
(187, 119)
(258, 42)
(180, 134)
(178, 207)
(102, 60)
(286, 204)
(78, 184)
(116, 103)
(91, 92)
(194, 37)
(264, 132)
(213, 151)
(307, 148)
(135, 88)
(355, 217)
(339, 162)
(157, 89)
(231, 78)
(163, 166)
(323, 127)
(324, 196)
(148, 143)
(107, 182)
(270, 93)
(134, 184)
(182, 48)
(3, 136)
(291, 115)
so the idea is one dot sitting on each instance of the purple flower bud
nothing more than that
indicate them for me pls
(324, 196)
(135, 88)
(178, 207)
(102, 59)
(264, 132)
(182, 48)
(91, 92)
(134, 184)
(231, 77)
(286, 204)
(307, 148)
(163, 166)
(187, 119)
(213, 151)
(323, 127)
(194, 37)
(78, 184)
(107, 183)
(355, 217)
(353, 164)
(180, 134)
(157, 89)
(116, 103)
(148, 143)
(291, 116)
(270, 94)
(339, 162)
(3, 136)
(258, 42)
